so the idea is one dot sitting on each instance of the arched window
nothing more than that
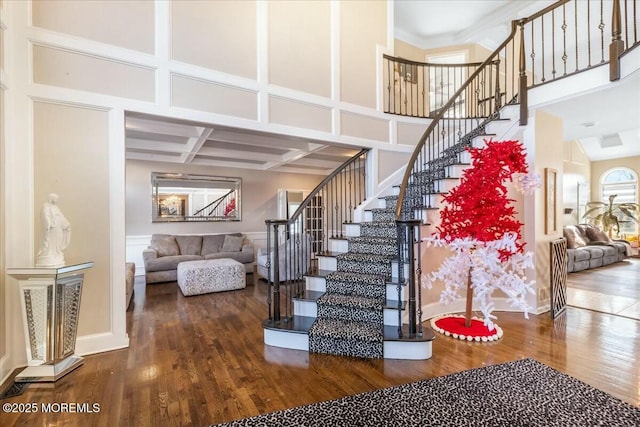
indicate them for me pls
(624, 183)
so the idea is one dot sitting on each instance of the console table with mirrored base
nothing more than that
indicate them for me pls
(50, 300)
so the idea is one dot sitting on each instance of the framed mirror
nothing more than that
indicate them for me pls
(186, 197)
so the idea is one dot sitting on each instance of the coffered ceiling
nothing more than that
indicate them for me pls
(154, 138)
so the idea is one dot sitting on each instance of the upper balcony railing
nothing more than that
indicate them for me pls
(565, 38)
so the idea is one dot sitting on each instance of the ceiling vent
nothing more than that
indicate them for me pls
(608, 141)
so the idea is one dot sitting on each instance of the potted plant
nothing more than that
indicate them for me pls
(606, 215)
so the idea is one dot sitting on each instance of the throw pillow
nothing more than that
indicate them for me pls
(232, 243)
(574, 240)
(165, 246)
(594, 233)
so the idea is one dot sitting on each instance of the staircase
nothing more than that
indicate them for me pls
(353, 304)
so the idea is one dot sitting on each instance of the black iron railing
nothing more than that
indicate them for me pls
(421, 89)
(293, 244)
(222, 207)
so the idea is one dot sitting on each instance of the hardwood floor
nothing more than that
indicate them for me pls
(613, 289)
(201, 360)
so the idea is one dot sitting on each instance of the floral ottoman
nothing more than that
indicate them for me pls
(210, 275)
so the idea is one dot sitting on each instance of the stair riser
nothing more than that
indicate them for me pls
(356, 289)
(374, 231)
(478, 141)
(346, 348)
(351, 314)
(338, 245)
(305, 308)
(420, 350)
(352, 230)
(364, 267)
(370, 248)
(497, 127)
(327, 263)
(378, 215)
(433, 200)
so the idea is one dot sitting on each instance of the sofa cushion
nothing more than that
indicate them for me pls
(189, 245)
(240, 256)
(212, 243)
(594, 251)
(574, 237)
(165, 245)
(581, 255)
(232, 243)
(169, 262)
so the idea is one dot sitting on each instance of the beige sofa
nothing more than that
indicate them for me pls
(166, 251)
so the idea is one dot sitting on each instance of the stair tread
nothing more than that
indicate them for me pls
(355, 301)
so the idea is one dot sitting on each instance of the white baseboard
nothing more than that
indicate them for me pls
(439, 308)
(100, 343)
(5, 369)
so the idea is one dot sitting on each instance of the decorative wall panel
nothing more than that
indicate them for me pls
(218, 35)
(212, 97)
(75, 70)
(131, 23)
(364, 127)
(299, 114)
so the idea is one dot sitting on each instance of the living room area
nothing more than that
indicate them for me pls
(600, 178)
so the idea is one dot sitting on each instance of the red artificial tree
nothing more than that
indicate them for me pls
(478, 208)
(231, 206)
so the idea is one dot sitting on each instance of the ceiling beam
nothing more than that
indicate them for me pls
(195, 144)
(161, 128)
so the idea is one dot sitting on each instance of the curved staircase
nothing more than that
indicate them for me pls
(353, 303)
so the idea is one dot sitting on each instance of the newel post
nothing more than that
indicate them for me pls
(617, 44)
(522, 89)
(274, 266)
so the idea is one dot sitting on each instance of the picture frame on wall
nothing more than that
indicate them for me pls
(551, 200)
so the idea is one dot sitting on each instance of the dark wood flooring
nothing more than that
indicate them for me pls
(201, 360)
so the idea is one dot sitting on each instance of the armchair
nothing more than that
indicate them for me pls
(294, 257)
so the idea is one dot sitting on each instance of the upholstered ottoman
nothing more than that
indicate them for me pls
(210, 275)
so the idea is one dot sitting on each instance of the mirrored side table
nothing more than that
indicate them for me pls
(50, 300)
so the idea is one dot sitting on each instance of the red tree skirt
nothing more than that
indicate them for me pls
(452, 325)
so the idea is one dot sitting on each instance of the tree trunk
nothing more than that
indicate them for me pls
(467, 314)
